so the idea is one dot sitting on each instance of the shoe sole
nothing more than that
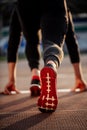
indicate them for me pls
(50, 99)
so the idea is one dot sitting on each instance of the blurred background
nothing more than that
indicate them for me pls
(78, 10)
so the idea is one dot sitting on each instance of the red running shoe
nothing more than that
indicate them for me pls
(35, 87)
(48, 101)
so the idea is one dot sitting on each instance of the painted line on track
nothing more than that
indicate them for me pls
(58, 90)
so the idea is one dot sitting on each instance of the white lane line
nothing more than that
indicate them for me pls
(58, 90)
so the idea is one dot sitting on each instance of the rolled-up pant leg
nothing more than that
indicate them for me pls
(54, 29)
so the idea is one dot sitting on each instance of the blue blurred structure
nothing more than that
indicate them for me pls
(4, 46)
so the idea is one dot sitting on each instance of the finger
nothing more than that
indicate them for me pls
(7, 91)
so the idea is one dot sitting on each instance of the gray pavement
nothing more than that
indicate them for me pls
(20, 112)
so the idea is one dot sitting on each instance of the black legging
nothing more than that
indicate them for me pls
(14, 37)
(71, 41)
(31, 46)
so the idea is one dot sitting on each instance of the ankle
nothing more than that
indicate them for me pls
(35, 72)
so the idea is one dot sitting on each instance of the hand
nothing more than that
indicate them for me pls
(9, 88)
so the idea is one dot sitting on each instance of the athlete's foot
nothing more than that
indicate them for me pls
(48, 101)
(79, 87)
(10, 87)
(35, 87)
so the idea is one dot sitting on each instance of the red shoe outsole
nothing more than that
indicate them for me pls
(48, 101)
